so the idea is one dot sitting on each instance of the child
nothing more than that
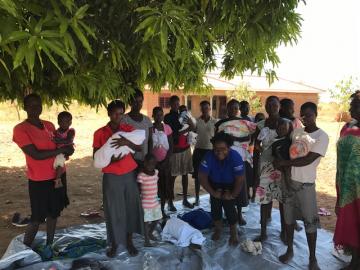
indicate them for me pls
(63, 136)
(259, 117)
(162, 150)
(148, 179)
(281, 147)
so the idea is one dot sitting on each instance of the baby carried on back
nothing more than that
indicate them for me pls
(102, 157)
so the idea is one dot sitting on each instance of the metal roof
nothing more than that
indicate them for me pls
(260, 83)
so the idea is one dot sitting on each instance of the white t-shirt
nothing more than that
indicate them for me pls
(307, 174)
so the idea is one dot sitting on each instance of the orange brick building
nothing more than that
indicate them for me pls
(282, 88)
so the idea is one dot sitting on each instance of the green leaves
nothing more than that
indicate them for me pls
(92, 51)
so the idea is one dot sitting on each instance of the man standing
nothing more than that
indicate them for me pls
(181, 160)
(300, 202)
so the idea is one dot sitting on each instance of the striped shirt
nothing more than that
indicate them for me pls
(149, 189)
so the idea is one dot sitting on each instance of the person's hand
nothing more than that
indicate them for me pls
(114, 158)
(118, 142)
(217, 194)
(58, 183)
(228, 196)
(67, 150)
(279, 163)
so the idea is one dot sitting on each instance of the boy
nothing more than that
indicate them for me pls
(301, 201)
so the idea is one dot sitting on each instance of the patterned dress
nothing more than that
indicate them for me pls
(347, 231)
(270, 179)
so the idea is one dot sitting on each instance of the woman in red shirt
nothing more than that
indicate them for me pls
(122, 206)
(34, 137)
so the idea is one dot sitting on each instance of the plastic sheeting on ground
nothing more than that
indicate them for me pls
(213, 255)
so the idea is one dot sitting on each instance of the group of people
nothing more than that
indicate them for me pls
(235, 160)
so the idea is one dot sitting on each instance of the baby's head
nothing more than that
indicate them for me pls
(64, 120)
(149, 163)
(283, 128)
(182, 108)
(259, 117)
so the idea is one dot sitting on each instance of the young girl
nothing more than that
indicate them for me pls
(63, 136)
(162, 150)
(148, 179)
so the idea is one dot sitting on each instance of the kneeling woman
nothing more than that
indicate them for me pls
(221, 173)
(122, 207)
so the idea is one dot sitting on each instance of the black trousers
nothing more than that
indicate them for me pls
(217, 206)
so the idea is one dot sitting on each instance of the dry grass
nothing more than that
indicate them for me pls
(85, 181)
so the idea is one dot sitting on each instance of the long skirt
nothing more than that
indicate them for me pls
(165, 183)
(122, 207)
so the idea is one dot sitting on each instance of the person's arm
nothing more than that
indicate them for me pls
(204, 182)
(299, 162)
(150, 140)
(238, 183)
(118, 142)
(171, 147)
(36, 154)
(256, 158)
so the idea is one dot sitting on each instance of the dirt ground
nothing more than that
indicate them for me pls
(84, 181)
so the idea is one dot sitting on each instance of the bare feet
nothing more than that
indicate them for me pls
(298, 228)
(216, 235)
(233, 240)
(111, 252)
(147, 244)
(187, 204)
(283, 237)
(285, 258)
(261, 238)
(172, 208)
(313, 265)
(241, 221)
(197, 202)
(132, 250)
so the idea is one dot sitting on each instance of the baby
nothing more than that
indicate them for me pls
(63, 136)
(102, 157)
(184, 117)
(281, 147)
(148, 179)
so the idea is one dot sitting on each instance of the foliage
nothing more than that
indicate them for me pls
(92, 51)
(244, 92)
(342, 91)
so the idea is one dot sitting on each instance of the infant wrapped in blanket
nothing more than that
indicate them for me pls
(102, 157)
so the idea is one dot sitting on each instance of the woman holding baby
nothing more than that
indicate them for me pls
(122, 206)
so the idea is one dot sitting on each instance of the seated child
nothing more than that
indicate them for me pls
(102, 157)
(148, 179)
(63, 136)
(281, 147)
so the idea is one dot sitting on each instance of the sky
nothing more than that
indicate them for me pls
(329, 47)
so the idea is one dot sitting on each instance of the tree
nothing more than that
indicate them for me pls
(342, 91)
(92, 51)
(244, 92)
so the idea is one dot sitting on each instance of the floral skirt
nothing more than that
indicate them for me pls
(270, 187)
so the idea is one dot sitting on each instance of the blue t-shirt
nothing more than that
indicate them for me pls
(222, 172)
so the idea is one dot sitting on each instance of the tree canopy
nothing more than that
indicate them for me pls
(95, 50)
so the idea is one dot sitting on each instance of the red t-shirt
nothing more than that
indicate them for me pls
(26, 134)
(123, 166)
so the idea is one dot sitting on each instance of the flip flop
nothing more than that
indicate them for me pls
(90, 213)
(324, 212)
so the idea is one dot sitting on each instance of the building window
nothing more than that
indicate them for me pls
(188, 105)
(164, 102)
